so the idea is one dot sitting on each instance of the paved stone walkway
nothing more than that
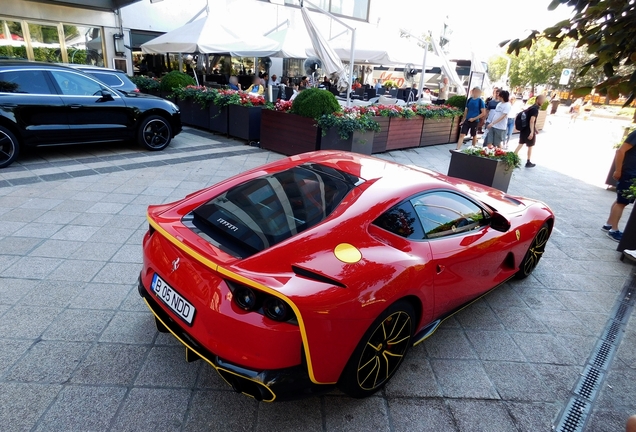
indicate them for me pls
(79, 350)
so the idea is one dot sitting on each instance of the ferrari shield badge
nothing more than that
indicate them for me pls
(518, 235)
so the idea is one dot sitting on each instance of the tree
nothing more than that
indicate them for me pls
(606, 30)
(531, 67)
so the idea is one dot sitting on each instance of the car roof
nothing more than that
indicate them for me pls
(90, 67)
(29, 63)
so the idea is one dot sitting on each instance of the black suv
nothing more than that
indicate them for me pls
(42, 104)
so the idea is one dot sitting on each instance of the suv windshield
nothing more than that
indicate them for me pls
(262, 212)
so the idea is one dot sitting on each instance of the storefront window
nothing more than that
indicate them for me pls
(12, 43)
(46, 43)
(84, 45)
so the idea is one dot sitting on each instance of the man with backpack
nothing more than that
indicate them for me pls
(526, 123)
(474, 111)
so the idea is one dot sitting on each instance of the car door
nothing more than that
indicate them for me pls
(96, 113)
(468, 254)
(29, 100)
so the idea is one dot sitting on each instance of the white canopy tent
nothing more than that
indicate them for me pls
(210, 35)
(292, 43)
(449, 69)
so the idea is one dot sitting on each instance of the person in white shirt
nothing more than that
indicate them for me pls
(515, 108)
(497, 128)
(274, 81)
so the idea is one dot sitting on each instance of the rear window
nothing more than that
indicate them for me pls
(110, 79)
(263, 212)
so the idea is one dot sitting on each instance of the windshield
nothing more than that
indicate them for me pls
(262, 212)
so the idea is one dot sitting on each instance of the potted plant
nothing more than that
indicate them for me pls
(193, 103)
(147, 85)
(440, 122)
(350, 130)
(291, 127)
(389, 84)
(244, 115)
(488, 166)
(458, 102)
(400, 127)
(219, 111)
(173, 80)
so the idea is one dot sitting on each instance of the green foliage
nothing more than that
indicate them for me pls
(314, 103)
(544, 106)
(389, 84)
(175, 79)
(347, 124)
(510, 159)
(145, 84)
(457, 101)
(606, 30)
(436, 111)
(531, 67)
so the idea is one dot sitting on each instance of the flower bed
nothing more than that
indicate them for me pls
(399, 127)
(488, 166)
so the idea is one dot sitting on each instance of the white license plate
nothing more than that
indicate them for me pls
(173, 299)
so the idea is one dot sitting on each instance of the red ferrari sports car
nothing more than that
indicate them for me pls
(323, 269)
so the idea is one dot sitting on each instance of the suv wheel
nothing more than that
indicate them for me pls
(155, 133)
(9, 147)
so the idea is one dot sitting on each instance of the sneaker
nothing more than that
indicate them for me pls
(606, 228)
(530, 165)
(615, 235)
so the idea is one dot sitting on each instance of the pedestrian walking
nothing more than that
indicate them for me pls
(491, 106)
(474, 111)
(575, 110)
(527, 128)
(515, 109)
(625, 173)
(497, 128)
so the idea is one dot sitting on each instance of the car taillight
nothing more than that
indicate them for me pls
(252, 300)
(136, 90)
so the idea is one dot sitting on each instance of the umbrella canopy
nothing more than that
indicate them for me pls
(291, 43)
(331, 63)
(448, 69)
(210, 36)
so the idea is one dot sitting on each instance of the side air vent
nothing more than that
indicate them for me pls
(309, 274)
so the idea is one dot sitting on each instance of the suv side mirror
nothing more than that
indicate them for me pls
(499, 223)
(106, 95)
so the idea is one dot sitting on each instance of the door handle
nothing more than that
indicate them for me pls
(75, 106)
(440, 268)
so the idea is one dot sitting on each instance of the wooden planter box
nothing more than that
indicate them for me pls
(358, 142)
(436, 131)
(489, 172)
(289, 134)
(380, 138)
(629, 235)
(245, 122)
(194, 114)
(541, 119)
(404, 133)
(218, 119)
(455, 129)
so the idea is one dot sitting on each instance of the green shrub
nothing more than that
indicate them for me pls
(545, 105)
(314, 103)
(176, 79)
(457, 101)
(145, 84)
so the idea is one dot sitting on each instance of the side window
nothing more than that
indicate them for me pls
(24, 81)
(108, 79)
(446, 213)
(403, 221)
(73, 84)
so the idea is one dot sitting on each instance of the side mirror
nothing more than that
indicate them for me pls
(499, 223)
(106, 95)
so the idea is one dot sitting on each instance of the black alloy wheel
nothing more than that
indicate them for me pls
(380, 352)
(155, 133)
(535, 252)
(9, 147)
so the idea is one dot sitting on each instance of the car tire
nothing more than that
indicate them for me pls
(9, 147)
(154, 133)
(380, 351)
(534, 253)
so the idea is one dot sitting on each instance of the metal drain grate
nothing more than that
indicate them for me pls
(579, 407)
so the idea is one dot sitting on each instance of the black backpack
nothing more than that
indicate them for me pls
(521, 121)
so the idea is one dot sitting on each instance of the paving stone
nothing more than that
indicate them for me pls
(209, 379)
(562, 322)
(56, 248)
(10, 351)
(533, 417)
(481, 416)
(543, 348)
(420, 415)
(12, 290)
(520, 320)
(517, 382)
(220, 411)
(75, 232)
(118, 273)
(27, 322)
(167, 412)
(38, 230)
(302, 415)
(449, 344)
(414, 378)
(100, 402)
(347, 414)
(463, 379)
(48, 362)
(52, 293)
(137, 328)
(58, 217)
(22, 404)
(100, 296)
(31, 267)
(166, 367)
(494, 345)
(96, 251)
(110, 364)
(92, 219)
(76, 270)
(129, 254)
(9, 227)
(75, 325)
(559, 379)
(109, 234)
(18, 245)
(478, 316)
